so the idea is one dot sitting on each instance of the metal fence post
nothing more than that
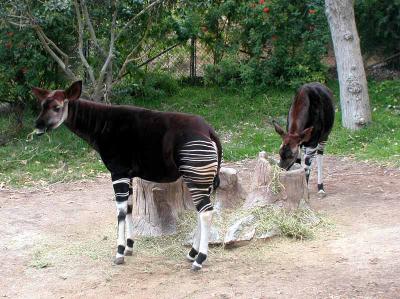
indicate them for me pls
(193, 60)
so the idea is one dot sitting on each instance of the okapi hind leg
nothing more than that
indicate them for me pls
(121, 189)
(129, 223)
(194, 251)
(198, 166)
(205, 224)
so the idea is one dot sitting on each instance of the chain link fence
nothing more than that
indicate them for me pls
(184, 61)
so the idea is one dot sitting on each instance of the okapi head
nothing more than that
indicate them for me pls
(290, 147)
(54, 105)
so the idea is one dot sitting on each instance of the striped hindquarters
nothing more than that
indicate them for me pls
(198, 162)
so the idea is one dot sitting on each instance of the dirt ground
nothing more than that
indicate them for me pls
(59, 243)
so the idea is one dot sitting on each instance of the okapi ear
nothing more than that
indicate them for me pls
(74, 91)
(40, 93)
(278, 129)
(306, 134)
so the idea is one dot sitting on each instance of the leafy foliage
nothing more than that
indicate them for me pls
(378, 23)
(266, 43)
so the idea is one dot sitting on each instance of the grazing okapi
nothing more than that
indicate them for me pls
(136, 142)
(309, 123)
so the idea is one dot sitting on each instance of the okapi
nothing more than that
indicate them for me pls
(136, 142)
(309, 124)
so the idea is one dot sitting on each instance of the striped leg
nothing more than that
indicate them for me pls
(309, 156)
(298, 159)
(129, 223)
(121, 189)
(191, 256)
(198, 165)
(320, 158)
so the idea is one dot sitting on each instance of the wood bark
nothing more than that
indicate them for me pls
(156, 207)
(287, 189)
(354, 99)
(229, 192)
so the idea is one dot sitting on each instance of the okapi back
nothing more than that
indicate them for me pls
(312, 107)
(137, 141)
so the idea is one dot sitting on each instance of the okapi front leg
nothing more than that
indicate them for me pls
(129, 223)
(320, 158)
(121, 189)
(309, 156)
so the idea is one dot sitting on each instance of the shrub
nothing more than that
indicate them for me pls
(271, 42)
(147, 85)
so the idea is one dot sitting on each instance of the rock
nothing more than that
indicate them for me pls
(241, 231)
(269, 234)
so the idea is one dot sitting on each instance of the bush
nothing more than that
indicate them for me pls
(378, 23)
(270, 42)
(147, 85)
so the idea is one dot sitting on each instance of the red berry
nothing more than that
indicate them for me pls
(312, 11)
(274, 37)
(266, 10)
(261, 1)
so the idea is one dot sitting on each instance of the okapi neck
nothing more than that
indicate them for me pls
(85, 119)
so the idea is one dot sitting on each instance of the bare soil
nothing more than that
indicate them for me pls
(59, 242)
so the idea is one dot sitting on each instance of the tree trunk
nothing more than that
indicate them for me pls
(273, 186)
(156, 207)
(354, 100)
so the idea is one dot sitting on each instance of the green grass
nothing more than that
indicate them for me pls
(242, 121)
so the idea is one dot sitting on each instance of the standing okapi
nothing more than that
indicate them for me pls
(136, 142)
(309, 124)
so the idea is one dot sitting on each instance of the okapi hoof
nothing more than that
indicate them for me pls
(128, 252)
(119, 260)
(189, 258)
(196, 267)
(321, 193)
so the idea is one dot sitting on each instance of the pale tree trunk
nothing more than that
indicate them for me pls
(354, 99)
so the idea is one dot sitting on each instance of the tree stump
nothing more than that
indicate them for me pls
(271, 185)
(157, 206)
(229, 192)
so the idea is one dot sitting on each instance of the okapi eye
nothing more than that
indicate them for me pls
(56, 109)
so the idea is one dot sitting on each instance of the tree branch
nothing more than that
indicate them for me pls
(63, 66)
(110, 55)
(80, 43)
(149, 60)
(91, 29)
(383, 61)
(129, 57)
(129, 23)
(51, 43)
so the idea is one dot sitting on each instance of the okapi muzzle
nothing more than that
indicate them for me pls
(289, 151)
(53, 114)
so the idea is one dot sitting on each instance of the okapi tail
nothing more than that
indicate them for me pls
(215, 138)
